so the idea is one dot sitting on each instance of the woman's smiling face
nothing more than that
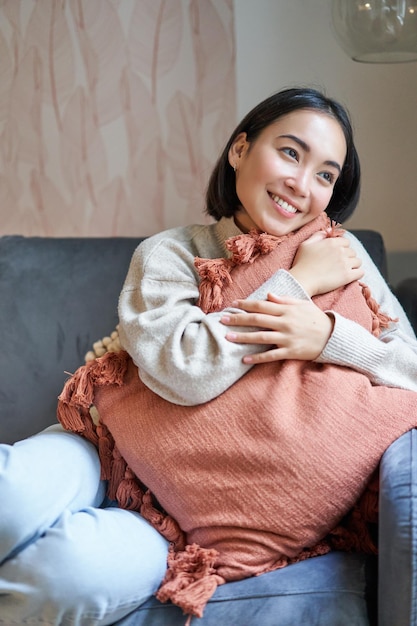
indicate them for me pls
(285, 178)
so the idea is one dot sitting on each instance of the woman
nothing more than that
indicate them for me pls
(68, 555)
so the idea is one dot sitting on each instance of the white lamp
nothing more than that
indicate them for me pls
(377, 31)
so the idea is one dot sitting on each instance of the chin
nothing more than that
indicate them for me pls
(278, 230)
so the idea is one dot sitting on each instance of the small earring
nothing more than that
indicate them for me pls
(234, 168)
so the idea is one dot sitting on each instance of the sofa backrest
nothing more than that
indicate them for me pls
(58, 296)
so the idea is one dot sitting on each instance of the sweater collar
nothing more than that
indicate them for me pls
(226, 228)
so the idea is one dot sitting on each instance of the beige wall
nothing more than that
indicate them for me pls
(287, 42)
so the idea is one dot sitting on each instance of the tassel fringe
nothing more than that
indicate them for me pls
(379, 319)
(215, 274)
(73, 413)
(129, 493)
(164, 523)
(190, 580)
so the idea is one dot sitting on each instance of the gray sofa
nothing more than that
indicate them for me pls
(58, 296)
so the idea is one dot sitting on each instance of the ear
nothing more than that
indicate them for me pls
(238, 149)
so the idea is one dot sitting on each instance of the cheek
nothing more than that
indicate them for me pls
(246, 179)
(260, 164)
(323, 198)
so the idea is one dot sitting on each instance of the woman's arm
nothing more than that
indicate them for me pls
(390, 359)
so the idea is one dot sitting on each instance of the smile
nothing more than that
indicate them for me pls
(287, 207)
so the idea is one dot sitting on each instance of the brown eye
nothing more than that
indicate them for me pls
(327, 176)
(291, 153)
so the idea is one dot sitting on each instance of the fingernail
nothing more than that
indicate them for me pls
(231, 336)
(247, 359)
(225, 319)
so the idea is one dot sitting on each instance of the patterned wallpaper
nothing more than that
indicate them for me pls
(112, 112)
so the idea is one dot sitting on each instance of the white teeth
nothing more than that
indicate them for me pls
(285, 205)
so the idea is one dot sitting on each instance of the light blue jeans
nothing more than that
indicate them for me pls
(64, 560)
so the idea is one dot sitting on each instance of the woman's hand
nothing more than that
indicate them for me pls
(325, 263)
(296, 329)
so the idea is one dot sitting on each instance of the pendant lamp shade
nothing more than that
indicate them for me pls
(377, 31)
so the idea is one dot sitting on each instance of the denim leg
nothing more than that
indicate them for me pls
(90, 568)
(40, 477)
(64, 561)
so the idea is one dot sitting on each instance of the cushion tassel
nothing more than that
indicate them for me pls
(105, 451)
(83, 381)
(354, 533)
(78, 391)
(118, 469)
(111, 368)
(75, 396)
(242, 248)
(190, 580)
(353, 536)
(380, 319)
(163, 523)
(246, 248)
(70, 416)
(214, 274)
(90, 432)
(267, 243)
(129, 493)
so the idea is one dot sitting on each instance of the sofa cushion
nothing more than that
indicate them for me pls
(328, 590)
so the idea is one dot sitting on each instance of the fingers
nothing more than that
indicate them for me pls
(252, 320)
(275, 354)
(286, 327)
(259, 313)
(271, 297)
(317, 236)
(267, 337)
(261, 321)
(264, 306)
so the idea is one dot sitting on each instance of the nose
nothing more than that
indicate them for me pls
(298, 182)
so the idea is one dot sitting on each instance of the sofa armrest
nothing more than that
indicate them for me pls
(398, 533)
(406, 292)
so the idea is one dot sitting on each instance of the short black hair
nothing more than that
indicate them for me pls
(221, 197)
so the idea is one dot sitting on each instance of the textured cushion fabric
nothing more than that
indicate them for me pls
(398, 533)
(57, 297)
(328, 590)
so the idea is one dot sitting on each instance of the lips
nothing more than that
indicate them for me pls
(289, 208)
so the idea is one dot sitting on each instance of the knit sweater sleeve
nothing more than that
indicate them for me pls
(390, 359)
(182, 353)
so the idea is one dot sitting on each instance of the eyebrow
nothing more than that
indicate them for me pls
(306, 148)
